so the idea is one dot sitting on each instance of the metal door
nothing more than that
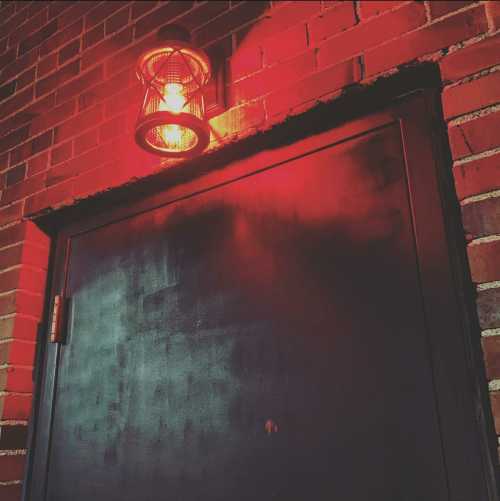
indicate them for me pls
(287, 332)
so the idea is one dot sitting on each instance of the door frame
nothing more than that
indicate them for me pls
(468, 437)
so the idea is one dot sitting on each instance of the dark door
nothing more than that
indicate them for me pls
(280, 336)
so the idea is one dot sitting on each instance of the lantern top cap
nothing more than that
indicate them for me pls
(174, 32)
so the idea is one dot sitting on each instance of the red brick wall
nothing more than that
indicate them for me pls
(69, 98)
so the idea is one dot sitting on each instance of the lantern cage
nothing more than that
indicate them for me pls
(171, 120)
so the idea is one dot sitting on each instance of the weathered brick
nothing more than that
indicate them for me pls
(11, 492)
(91, 37)
(471, 59)
(332, 22)
(101, 11)
(285, 45)
(27, 28)
(54, 116)
(14, 138)
(58, 6)
(13, 437)
(273, 78)
(112, 128)
(26, 78)
(313, 87)
(76, 11)
(371, 33)
(16, 352)
(29, 279)
(51, 197)
(78, 123)
(69, 51)
(11, 213)
(159, 17)
(30, 148)
(106, 47)
(478, 176)
(484, 261)
(19, 65)
(13, 234)
(38, 37)
(117, 21)
(79, 84)
(482, 218)
(22, 190)
(104, 90)
(491, 351)
(236, 120)
(38, 164)
(15, 175)
(7, 90)
(62, 37)
(46, 65)
(141, 7)
(245, 61)
(21, 302)
(61, 153)
(50, 83)
(14, 407)
(427, 40)
(475, 136)
(17, 101)
(86, 141)
(471, 96)
(369, 8)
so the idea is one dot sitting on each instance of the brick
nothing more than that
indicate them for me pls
(313, 87)
(46, 65)
(38, 37)
(13, 437)
(101, 11)
(493, 9)
(471, 59)
(430, 39)
(482, 218)
(17, 352)
(11, 213)
(245, 61)
(79, 84)
(36, 7)
(69, 51)
(491, 352)
(15, 379)
(75, 12)
(484, 262)
(479, 176)
(21, 302)
(439, 8)
(86, 141)
(285, 45)
(332, 22)
(369, 8)
(54, 116)
(159, 17)
(117, 21)
(62, 37)
(14, 138)
(15, 407)
(128, 98)
(7, 90)
(7, 58)
(201, 13)
(472, 96)
(475, 136)
(112, 128)
(36, 145)
(27, 28)
(104, 90)
(106, 47)
(236, 120)
(79, 123)
(15, 175)
(51, 198)
(14, 22)
(19, 65)
(10, 492)
(38, 164)
(22, 190)
(18, 327)
(57, 7)
(12, 467)
(273, 78)
(61, 153)
(141, 7)
(26, 78)
(16, 102)
(371, 33)
(29, 279)
(53, 81)
(13, 234)
(91, 37)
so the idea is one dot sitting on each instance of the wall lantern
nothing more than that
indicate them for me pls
(171, 121)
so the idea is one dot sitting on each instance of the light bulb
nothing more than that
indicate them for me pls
(173, 98)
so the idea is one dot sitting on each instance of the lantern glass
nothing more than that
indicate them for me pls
(171, 121)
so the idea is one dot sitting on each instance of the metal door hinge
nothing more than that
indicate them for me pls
(57, 323)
